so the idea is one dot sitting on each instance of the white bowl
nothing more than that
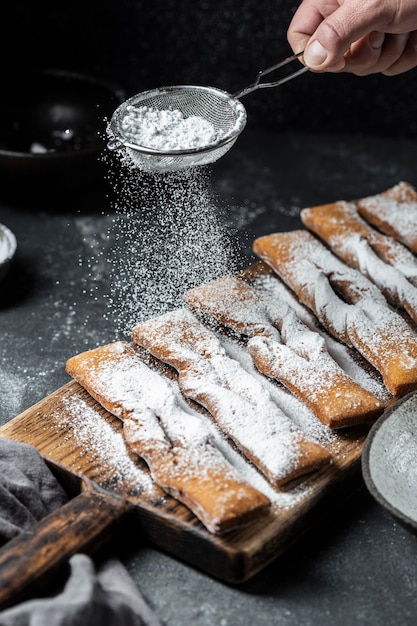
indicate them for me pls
(7, 249)
(389, 460)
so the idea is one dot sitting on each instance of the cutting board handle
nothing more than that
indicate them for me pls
(78, 526)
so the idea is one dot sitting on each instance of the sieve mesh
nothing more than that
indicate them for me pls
(219, 108)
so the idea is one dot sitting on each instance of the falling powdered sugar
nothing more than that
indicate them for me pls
(167, 235)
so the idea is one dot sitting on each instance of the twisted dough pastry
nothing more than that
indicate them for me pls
(394, 212)
(169, 436)
(236, 400)
(284, 348)
(346, 303)
(379, 257)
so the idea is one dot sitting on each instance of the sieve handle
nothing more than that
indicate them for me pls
(257, 84)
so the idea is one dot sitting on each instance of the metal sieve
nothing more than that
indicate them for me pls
(221, 109)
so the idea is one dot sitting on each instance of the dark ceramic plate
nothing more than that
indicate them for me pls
(52, 130)
(389, 460)
(7, 249)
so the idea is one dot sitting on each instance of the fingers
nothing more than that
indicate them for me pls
(408, 59)
(326, 28)
(358, 36)
(335, 35)
(305, 22)
(382, 53)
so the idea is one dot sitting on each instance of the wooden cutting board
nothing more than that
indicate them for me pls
(111, 485)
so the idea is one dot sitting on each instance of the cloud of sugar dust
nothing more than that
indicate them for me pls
(167, 236)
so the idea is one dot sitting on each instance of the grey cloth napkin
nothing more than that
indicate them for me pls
(105, 595)
(28, 489)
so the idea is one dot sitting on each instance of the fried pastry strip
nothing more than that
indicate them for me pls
(377, 256)
(172, 439)
(284, 348)
(351, 307)
(394, 212)
(236, 400)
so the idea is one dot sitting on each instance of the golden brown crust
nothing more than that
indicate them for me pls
(347, 304)
(192, 471)
(237, 402)
(328, 392)
(379, 257)
(394, 212)
(284, 349)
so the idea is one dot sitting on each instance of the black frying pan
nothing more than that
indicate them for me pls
(52, 126)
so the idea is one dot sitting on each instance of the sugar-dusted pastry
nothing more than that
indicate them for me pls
(285, 349)
(394, 212)
(268, 283)
(236, 400)
(377, 256)
(159, 427)
(351, 307)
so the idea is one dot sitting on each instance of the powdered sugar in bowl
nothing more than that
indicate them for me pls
(7, 249)
(178, 127)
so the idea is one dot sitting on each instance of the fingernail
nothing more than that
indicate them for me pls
(315, 55)
(376, 40)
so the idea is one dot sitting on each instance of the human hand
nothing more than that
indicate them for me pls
(358, 36)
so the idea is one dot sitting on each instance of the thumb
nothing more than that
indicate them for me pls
(333, 37)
